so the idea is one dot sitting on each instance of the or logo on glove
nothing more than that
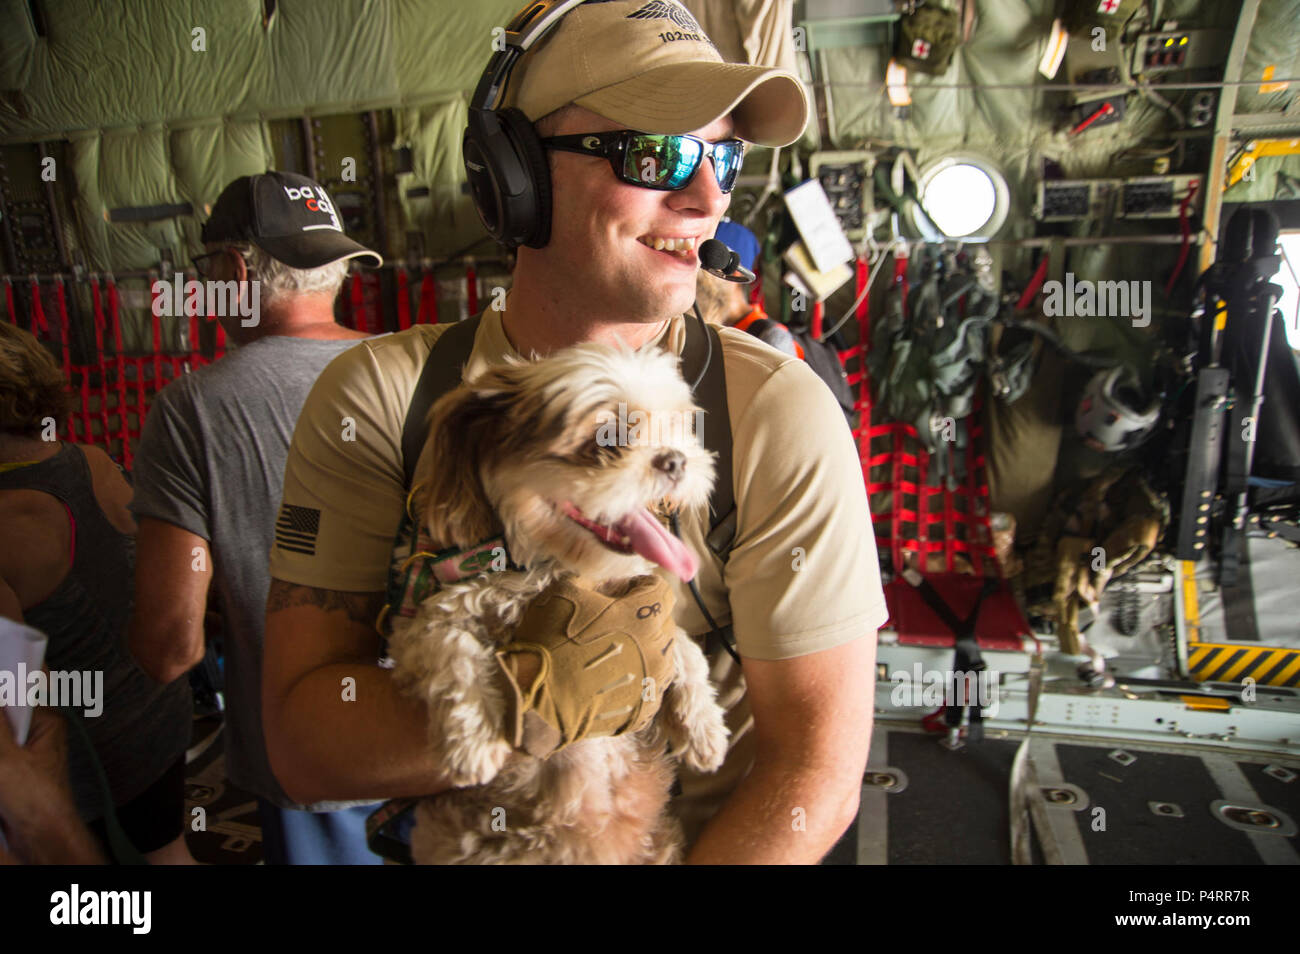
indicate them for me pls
(581, 662)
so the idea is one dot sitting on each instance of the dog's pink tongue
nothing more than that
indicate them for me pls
(652, 541)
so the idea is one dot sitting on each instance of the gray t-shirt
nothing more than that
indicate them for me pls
(211, 461)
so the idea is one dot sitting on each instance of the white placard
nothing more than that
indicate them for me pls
(818, 226)
(22, 650)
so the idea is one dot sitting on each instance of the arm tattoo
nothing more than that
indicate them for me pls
(360, 607)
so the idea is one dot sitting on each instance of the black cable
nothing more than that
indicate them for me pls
(699, 600)
(1099, 362)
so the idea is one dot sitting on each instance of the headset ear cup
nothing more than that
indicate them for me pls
(479, 174)
(500, 176)
(535, 233)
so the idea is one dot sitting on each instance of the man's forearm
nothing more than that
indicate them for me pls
(165, 651)
(43, 827)
(344, 732)
(779, 814)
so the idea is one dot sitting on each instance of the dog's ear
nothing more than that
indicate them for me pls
(456, 509)
(465, 428)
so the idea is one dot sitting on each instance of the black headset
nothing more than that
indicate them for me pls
(505, 162)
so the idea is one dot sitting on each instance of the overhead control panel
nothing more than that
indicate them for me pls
(1144, 197)
(1178, 50)
(846, 180)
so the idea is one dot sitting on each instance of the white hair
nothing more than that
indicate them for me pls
(278, 279)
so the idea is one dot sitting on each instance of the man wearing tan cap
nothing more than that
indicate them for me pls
(626, 122)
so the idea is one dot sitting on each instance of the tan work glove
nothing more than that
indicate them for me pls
(585, 665)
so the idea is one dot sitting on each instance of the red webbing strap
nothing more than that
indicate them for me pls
(471, 288)
(220, 350)
(896, 524)
(817, 318)
(1187, 238)
(900, 277)
(861, 292)
(140, 401)
(864, 348)
(1035, 285)
(155, 328)
(358, 308)
(9, 302)
(61, 302)
(39, 324)
(981, 504)
(98, 302)
(860, 350)
(114, 313)
(896, 543)
(83, 387)
(174, 360)
(949, 531)
(61, 305)
(756, 288)
(85, 405)
(428, 300)
(403, 301)
(924, 495)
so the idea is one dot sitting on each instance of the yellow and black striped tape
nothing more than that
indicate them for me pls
(1217, 662)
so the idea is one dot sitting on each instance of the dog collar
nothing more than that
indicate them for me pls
(451, 565)
(423, 571)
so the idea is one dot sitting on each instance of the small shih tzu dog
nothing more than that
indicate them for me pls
(573, 455)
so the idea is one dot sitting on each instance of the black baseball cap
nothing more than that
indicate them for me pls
(288, 216)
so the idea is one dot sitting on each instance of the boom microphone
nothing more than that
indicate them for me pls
(718, 259)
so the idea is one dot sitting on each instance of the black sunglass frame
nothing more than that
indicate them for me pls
(613, 146)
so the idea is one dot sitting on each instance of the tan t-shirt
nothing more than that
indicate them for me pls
(802, 576)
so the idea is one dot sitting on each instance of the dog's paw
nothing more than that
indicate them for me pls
(706, 740)
(475, 763)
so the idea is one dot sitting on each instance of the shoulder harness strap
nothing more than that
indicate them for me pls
(702, 367)
(442, 373)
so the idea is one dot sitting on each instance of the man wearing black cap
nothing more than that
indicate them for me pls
(209, 472)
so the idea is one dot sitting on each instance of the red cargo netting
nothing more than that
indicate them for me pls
(112, 389)
(935, 529)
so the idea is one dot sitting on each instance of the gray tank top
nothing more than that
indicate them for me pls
(144, 727)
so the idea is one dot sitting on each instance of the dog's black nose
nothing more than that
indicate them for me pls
(672, 463)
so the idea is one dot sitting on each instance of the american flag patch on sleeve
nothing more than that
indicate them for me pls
(296, 529)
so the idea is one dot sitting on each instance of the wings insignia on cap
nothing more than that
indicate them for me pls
(663, 10)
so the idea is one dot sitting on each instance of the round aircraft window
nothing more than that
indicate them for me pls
(965, 197)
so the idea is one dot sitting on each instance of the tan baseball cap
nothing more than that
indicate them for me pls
(648, 65)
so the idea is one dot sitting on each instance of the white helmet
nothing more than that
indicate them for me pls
(1116, 413)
